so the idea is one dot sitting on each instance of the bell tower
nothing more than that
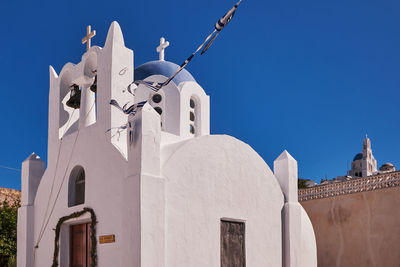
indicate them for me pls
(80, 95)
(369, 164)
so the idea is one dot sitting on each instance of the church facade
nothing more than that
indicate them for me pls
(154, 188)
(364, 164)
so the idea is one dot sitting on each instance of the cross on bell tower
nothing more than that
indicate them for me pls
(89, 35)
(160, 49)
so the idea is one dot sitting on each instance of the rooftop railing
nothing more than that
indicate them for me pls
(363, 184)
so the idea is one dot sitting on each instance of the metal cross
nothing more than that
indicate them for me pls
(89, 35)
(160, 49)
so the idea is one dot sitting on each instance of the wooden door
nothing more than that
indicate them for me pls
(233, 244)
(80, 245)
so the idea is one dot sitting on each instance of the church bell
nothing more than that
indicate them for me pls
(75, 97)
(93, 87)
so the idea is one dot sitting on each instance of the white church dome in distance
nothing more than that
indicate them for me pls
(387, 167)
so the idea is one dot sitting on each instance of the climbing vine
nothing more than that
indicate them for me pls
(93, 251)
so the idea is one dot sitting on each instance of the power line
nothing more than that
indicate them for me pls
(9, 168)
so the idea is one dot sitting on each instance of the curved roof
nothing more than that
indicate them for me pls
(387, 167)
(388, 164)
(358, 156)
(161, 67)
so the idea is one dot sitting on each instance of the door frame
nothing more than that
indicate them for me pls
(65, 238)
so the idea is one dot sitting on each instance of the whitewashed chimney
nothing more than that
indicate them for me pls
(285, 170)
(32, 172)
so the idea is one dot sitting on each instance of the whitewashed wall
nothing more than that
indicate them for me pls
(214, 177)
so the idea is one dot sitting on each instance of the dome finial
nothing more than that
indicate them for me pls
(160, 49)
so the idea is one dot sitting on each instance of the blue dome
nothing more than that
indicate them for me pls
(160, 67)
(358, 156)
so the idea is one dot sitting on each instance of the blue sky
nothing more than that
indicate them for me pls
(310, 76)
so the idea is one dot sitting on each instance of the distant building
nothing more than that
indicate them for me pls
(355, 216)
(341, 178)
(364, 164)
(387, 167)
(310, 183)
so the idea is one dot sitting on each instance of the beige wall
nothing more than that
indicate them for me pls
(360, 229)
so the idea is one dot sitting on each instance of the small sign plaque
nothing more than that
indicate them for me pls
(106, 239)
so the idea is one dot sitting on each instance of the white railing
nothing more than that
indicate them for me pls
(352, 186)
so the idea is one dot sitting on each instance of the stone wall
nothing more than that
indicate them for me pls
(363, 184)
(10, 194)
(357, 228)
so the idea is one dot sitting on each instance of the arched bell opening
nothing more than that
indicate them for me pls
(69, 102)
(90, 73)
(90, 69)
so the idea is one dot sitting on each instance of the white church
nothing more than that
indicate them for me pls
(364, 164)
(154, 189)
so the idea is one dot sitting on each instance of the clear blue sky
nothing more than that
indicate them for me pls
(309, 76)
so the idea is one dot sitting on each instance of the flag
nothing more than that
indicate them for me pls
(131, 109)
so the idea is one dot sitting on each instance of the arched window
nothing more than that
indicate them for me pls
(157, 102)
(194, 114)
(76, 187)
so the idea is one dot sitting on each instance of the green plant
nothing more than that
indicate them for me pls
(12, 261)
(8, 232)
(301, 183)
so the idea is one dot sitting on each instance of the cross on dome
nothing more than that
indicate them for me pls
(89, 35)
(160, 49)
